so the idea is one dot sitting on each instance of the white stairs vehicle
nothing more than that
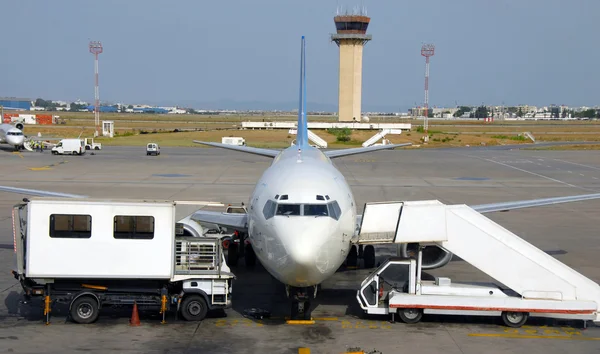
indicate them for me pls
(312, 137)
(536, 284)
(381, 135)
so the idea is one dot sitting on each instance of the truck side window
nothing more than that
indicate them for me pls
(70, 226)
(133, 227)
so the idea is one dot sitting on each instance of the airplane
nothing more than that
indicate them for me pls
(12, 135)
(302, 217)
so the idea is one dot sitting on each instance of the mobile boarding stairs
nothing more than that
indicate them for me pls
(536, 283)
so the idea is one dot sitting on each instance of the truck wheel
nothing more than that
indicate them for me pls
(84, 309)
(410, 315)
(514, 319)
(96, 148)
(194, 308)
(369, 257)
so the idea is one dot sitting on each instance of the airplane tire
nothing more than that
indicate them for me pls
(352, 258)
(307, 312)
(514, 319)
(232, 255)
(410, 315)
(249, 256)
(369, 256)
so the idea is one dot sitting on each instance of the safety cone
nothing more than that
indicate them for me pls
(135, 318)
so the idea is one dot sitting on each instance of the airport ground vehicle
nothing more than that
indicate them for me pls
(534, 283)
(69, 146)
(152, 149)
(233, 141)
(91, 145)
(137, 257)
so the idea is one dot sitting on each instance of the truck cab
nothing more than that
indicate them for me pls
(152, 149)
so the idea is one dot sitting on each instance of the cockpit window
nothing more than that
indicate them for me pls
(331, 209)
(334, 210)
(269, 209)
(14, 133)
(288, 209)
(315, 210)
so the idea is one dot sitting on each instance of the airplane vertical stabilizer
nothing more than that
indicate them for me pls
(302, 136)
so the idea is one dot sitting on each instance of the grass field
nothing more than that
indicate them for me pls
(139, 129)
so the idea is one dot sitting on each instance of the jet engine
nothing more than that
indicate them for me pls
(433, 256)
(19, 126)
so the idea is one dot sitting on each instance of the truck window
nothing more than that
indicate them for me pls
(133, 227)
(70, 226)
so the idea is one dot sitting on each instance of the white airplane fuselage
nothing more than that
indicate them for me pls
(11, 135)
(308, 245)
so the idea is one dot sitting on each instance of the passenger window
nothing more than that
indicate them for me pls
(269, 209)
(288, 209)
(70, 226)
(315, 210)
(133, 227)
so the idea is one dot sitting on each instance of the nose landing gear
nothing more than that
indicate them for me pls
(300, 303)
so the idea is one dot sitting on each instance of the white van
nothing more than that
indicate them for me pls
(69, 146)
(152, 149)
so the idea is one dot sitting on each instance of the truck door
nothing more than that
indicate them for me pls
(19, 219)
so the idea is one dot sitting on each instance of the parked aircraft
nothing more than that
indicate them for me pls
(12, 135)
(302, 216)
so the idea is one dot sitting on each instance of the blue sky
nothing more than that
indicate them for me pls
(207, 53)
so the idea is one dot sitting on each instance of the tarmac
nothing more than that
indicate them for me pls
(463, 175)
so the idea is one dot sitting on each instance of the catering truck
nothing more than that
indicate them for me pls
(95, 253)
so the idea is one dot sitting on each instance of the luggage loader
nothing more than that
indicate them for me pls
(397, 287)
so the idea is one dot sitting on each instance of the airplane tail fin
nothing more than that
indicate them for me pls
(302, 132)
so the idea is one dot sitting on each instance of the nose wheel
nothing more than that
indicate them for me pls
(300, 304)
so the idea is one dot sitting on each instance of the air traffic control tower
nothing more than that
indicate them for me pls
(351, 37)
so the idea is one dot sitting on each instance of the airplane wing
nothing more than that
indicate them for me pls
(39, 193)
(235, 221)
(247, 149)
(361, 150)
(506, 206)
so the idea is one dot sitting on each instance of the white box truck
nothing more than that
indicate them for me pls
(233, 141)
(92, 253)
(69, 146)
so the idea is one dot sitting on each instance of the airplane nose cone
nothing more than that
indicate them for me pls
(15, 140)
(307, 245)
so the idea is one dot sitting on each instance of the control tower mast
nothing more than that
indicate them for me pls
(351, 37)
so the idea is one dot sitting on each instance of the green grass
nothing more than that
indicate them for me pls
(506, 137)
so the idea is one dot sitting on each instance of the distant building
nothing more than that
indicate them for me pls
(15, 103)
(103, 108)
